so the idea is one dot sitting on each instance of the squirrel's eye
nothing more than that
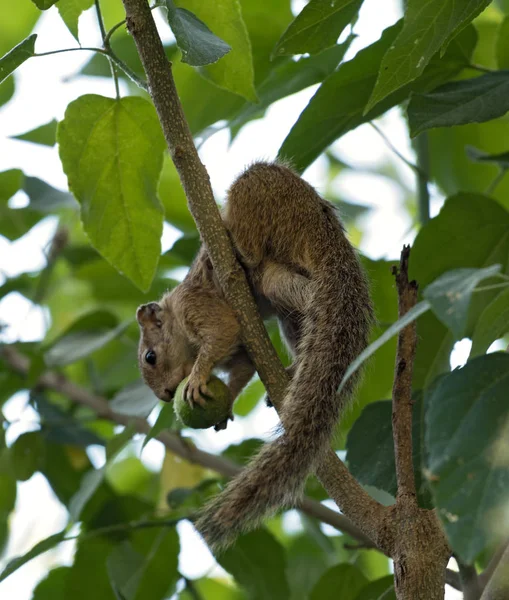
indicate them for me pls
(150, 357)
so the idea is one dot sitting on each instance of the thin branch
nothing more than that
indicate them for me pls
(496, 181)
(100, 19)
(90, 49)
(497, 586)
(402, 389)
(335, 477)
(172, 442)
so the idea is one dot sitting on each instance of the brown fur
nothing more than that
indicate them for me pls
(302, 266)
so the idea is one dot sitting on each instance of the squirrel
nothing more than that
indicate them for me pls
(302, 268)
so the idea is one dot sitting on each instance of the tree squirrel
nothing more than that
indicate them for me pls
(303, 269)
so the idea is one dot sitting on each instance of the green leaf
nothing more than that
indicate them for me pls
(165, 420)
(493, 323)
(317, 26)
(241, 453)
(135, 399)
(370, 449)
(291, 76)
(199, 46)
(17, 56)
(27, 454)
(235, 71)
(249, 398)
(467, 455)
(342, 581)
(258, 563)
(416, 311)
(44, 4)
(45, 134)
(174, 199)
(502, 45)
(460, 102)
(307, 561)
(70, 11)
(112, 152)
(450, 295)
(88, 334)
(43, 546)
(338, 105)
(52, 587)
(210, 589)
(381, 589)
(429, 26)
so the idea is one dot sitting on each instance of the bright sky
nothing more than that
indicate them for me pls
(44, 87)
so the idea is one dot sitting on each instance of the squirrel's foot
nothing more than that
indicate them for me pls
(196, 390)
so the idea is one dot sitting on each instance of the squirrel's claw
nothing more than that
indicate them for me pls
(195, 391)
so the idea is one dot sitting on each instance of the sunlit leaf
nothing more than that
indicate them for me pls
(317, 26)
(429, 26)
(70, 11)
(112, 152)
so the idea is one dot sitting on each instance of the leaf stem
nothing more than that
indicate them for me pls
(422, 152)
(495, 286)
(393, 148)
(100, 50)
(100, 19)
(494, 184)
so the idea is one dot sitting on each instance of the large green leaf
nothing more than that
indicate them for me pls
(235, 71)
(317, 27)
(429, 26)
(199, 46)
(338, 105)
(502, 45)
(460, 102)
(258, 562)
(467, 427)
(70, 11)
(17, 56)
(342, 581)
(370, 449)
(112, 152)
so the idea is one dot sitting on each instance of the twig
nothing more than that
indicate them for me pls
(172, 442)
(422, 152)
(339, 483)
(402, 389)
(497, 586)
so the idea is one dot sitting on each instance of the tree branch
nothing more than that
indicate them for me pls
(56, 382)
(402, 388)
(364, 511)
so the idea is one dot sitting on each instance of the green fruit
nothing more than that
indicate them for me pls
(216, 410)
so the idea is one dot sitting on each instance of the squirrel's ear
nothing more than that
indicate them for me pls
(149, 314)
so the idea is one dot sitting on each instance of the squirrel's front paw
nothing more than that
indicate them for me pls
(196, 390)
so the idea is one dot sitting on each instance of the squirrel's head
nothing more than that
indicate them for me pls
(164, 355)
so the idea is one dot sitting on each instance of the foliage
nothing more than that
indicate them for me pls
(444, 63)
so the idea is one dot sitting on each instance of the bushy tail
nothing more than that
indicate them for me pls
(335, 330)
